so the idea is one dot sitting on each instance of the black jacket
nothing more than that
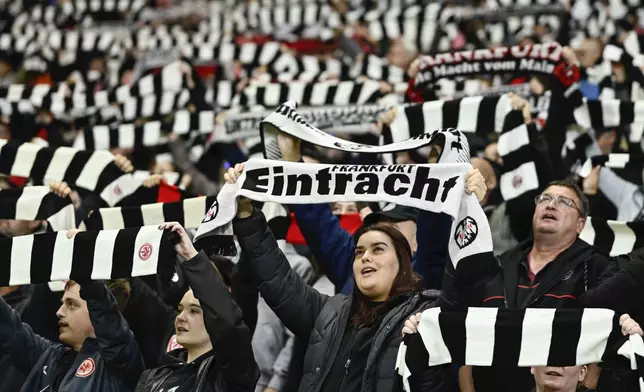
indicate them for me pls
(232, 366)
(579, 277)
(321, 319)
(109, 362)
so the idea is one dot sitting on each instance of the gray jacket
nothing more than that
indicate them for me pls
(272, 341)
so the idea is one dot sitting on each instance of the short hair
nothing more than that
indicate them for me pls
(120, 289)
(570, 184)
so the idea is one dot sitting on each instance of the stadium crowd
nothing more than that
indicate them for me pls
(137, 136)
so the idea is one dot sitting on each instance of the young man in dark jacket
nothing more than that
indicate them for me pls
(216, 355)
(555, 269)
(98, 353)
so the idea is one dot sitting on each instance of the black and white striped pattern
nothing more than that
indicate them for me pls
(189, 213)
(94, 171)
(613, 238)
(89, 255)
(471, 114)
(614, 161)
(511, 337)
(519, 176)
(37, 203)
(344, 93)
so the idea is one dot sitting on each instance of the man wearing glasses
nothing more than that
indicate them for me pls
(555, 269)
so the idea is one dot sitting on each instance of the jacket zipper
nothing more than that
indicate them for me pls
(555, 281)
(348, 363)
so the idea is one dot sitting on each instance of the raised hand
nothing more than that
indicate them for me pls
(244, 207)
(184, 248)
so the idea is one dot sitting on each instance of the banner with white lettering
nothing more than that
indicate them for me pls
(528, 59)
(438, 188)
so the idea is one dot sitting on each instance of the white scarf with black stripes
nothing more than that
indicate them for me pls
(524, 337)
(37, 203)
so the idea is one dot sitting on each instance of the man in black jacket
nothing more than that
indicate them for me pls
(554, 269)
(99, 351)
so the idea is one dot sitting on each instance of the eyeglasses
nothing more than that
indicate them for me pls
(560, 202)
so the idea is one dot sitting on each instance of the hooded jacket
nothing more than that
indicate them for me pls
(230, 365)
(321, 319)
(109, 362)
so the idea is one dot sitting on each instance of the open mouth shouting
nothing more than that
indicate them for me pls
(367, 271)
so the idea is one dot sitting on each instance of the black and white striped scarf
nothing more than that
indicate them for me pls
(311, 94)
(286, 119)
(188, 212)
(519, 176)
(480, 115)
(37, 203)
(89, 255)
(93, 171)
(516, 337)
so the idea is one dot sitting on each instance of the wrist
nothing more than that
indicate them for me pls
(191, 254)
(590, 191)
(292, 157)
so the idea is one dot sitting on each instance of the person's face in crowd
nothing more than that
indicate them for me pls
(606, 141)
(189, 325)
(403, 158)
(399, 55)
(14, 228)
(589, 52)
(560, 216)
(344, 207)
(375, 265)
(559, 379)
(74, 324)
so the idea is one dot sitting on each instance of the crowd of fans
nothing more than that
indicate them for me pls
(321, 300)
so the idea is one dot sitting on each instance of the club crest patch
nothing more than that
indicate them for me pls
(86, 368)
(466, 232)
(145, 251)
(212, 212)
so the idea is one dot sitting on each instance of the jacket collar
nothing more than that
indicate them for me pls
(578, 252)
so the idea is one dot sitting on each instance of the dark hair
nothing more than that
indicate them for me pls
(120, 289)
(406, 281)
(567, 183)
(224, 268)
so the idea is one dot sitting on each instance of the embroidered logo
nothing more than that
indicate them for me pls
(517, 181)
(568, 275)
(466, 232)
(212, 212)
(117, 190)
(145, 251)
(172, 344)
(86, 368)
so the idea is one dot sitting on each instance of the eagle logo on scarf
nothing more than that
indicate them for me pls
(466, 232)
(212, 212)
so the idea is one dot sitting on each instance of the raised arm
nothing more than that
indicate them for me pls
(294, 302)
(18, 340)
(332, 246)
(230, 337)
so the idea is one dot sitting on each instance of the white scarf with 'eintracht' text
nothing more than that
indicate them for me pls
(437, 188)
